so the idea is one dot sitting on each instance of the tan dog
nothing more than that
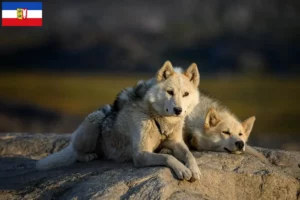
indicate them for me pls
(210, 126)
(213, 127)
(137, 125)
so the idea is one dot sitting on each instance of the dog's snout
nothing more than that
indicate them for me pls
(239, 144)
(177, 110)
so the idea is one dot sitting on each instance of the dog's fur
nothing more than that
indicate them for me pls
(137, 125)
(211, 126)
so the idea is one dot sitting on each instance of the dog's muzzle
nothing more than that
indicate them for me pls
(240, 145)
(177, 110)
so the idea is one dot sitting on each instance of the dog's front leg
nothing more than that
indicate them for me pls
(143, 154)
(251, 151)
(145, 158)
(181, 152)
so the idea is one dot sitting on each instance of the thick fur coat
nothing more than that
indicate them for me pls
(137, 125)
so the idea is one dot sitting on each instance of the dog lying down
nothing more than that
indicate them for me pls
(210, 126)
(129, 131)
(165, 113)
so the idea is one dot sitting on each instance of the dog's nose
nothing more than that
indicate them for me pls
(177, 110)
(239, 144)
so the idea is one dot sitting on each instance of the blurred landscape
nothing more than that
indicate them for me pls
(86, 52)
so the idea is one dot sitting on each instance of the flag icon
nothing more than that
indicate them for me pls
(22, 14)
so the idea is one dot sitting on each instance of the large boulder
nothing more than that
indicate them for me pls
(224, 176)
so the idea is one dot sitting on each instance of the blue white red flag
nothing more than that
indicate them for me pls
(22, 14)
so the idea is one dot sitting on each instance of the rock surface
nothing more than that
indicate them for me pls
(224, 176)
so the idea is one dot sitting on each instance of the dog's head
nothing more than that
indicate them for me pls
(226, 131)
(175, 92)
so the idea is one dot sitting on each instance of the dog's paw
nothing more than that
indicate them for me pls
(166, 151)
(87, 157)
(195, 171)
(182, 172)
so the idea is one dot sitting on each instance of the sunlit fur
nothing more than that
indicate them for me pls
(164, 103)
(205, 126)
(213, 127)
(138, 122)
(217, 129)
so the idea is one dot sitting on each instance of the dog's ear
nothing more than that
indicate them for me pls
(165, 71)
(248, 125)
(193, 74)
(212, 119)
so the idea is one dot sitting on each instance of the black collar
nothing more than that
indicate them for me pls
(158, 126)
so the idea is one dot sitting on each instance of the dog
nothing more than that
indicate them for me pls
(141, 120)
(211, 126)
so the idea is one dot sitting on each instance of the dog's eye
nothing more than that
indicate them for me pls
(185, 94)
(170, 92)
(226, 132)
(240, 134)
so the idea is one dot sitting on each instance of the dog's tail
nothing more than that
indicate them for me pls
(65, 157)
(83, 139)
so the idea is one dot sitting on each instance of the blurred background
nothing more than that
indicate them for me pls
(248, 54)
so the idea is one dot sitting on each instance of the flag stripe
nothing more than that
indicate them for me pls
(13, 14)
(26, 22)
(15, 5)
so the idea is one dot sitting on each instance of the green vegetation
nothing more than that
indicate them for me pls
(275, 102)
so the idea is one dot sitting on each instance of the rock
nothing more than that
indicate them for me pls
(224, 176)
